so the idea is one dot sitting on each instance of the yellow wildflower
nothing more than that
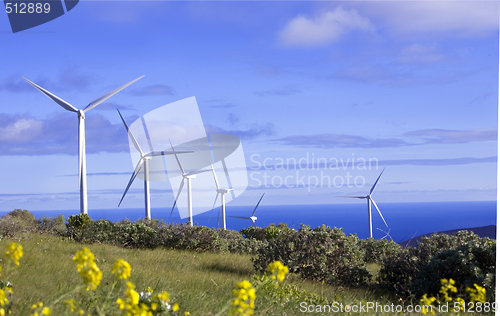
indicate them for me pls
(278, 270)
(244, 301)
(88, 268)
(478, 294)
(121, 269)
(175, 308)
(14, 252)
(71, 304)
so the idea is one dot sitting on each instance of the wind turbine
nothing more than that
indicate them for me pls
(370, 200)
(221, 192)
(185, 176)
(144, 161)
(82, 167)
(253, 217)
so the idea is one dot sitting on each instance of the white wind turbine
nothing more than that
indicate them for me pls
(223, 201)
(370, 200)
(253, 217)
(82, 166)
(185, 176)
(144, 162)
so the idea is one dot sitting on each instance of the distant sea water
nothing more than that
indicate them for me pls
(405, 220)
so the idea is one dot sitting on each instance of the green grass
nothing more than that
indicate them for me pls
(200, 283)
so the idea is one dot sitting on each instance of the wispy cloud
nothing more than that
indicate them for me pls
(428, 136)
(442, 136)
(157, 89)
(438, 162)
(284, 91)
(464, 18)
(223, 106)
(338, 141)
(323, 29)
(254, 131)
(418, 53)
(70, 78)
(345, 163)
(22, 134)
(113, 106)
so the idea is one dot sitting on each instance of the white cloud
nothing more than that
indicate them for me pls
(323, 29)
(467, 18)
(418, 53)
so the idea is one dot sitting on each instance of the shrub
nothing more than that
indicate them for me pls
(471, 263)
(51, 224)
(17, 222)
(378, 250)
(401, 269)
(322, 253)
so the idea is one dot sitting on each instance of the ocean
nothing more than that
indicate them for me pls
(405, 220)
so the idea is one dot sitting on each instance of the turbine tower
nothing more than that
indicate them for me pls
(144, 162)
(253, 218)
(185, 176)
(370, 200)
(223, 201)
(82, 166)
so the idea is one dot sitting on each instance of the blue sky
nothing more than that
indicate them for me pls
(410, 85)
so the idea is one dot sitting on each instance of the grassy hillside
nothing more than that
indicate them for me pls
(200, 283)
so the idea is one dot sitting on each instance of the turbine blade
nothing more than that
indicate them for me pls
(177, 197)
(55, 98)
(375, 184)
(257, 204)
(177, 158)
(98, 101)
(134, 175)
(166, 153)
(215, 176)
(147, 134)
(353, 197)
(375, 204)
(240, 217)
(213, 207)
(134, 141)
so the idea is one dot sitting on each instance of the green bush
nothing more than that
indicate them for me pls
(378, 250)
(23, 215)
(472, 263)
(401, 269)
(322, 254)
(17, 222)
(51, 224)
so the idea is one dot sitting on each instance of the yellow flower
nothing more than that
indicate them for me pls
(71, 304)
(447, 285)
(244, 299)
(175, 308)
(278, 270)
(88, 269)
(3, 298)
(121, 269)
(130, 305)
(427, 304)
(46, 311)
(187, 313)
(14, 252)
(164, 296)
(478, 294)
